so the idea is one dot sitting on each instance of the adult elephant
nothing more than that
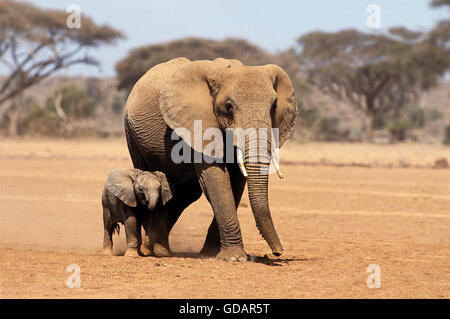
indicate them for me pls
(222, 94)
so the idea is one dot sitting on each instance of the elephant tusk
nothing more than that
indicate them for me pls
(277, 166)
(240, 160)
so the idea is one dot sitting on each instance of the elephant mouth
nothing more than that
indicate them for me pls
(275, 161)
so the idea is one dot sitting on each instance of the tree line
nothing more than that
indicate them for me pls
(381, 75)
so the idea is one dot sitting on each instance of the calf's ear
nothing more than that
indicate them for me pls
(166, 192)
(120, 184)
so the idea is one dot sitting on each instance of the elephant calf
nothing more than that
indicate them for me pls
(131, 197)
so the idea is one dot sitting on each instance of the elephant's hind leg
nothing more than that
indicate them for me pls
(107, 244)
(163, 221)
(108, 228)
(211, 247)
(145, 247)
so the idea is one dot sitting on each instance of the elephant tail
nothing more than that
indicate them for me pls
(115, 228)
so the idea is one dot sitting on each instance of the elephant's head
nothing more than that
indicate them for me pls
(150, 187)
(135, 186)
(225, 94)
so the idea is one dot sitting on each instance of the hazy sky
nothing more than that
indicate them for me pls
(273, 25)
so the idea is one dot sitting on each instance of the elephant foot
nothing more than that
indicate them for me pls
(232, 254)
(131, 253)
(145, 250)
(210, 250)
(161, 251)
(107, 251)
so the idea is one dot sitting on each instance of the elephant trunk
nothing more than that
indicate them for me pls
(152, 198)
(257, 164)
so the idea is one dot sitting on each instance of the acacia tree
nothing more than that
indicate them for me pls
(440, 3)
(35, 43)
(375, 73)
(139, 60)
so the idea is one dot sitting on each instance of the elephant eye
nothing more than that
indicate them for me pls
(229, 106)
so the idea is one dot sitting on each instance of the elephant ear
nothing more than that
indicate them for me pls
(166, 191)
(188, 97)
(120, 184)
(285, 114)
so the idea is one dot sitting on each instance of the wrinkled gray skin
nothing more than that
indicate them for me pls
(134, 198)
(223, 94)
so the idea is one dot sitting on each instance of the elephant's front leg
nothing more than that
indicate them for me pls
(133, 234)
(158, 234)
(211, 247)
(215, 182)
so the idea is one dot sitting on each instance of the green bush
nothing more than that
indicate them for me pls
(434, 115)
(398, 129)
(41, 121)
(379, 122)
(45, 119)
(447, 135)
(75, 102)
(328, 130)
(117, 104)
(310, 117)
(417, 117)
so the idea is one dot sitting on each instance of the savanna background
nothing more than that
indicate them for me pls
(367, 173)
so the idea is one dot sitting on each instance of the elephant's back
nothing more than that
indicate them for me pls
(147, 133)
(144, 97)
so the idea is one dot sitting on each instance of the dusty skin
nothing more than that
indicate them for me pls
(333, 222)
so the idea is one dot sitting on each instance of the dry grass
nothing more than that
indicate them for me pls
(374, 154)
(344, 153)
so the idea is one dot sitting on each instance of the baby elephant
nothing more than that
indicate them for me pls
(130, 197)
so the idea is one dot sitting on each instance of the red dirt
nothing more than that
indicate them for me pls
(332, 221)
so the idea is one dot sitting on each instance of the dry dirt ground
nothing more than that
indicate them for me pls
(333, 221)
